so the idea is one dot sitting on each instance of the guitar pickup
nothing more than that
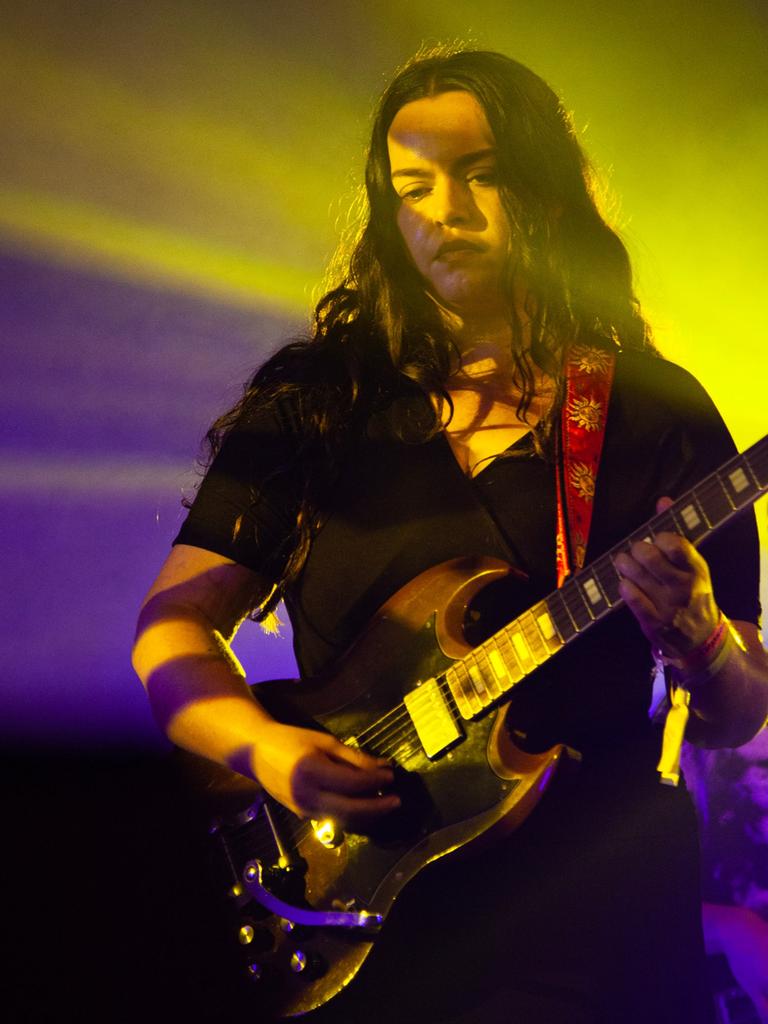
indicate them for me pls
(431, 716)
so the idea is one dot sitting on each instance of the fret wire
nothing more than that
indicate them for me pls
(575, 602)
(585, 576)
(467, 688)
(741, 496)
(509, 654)
(571, 596)
(749, 471)
(474, 657)
(695, 531)
(554, 641)
(494, 686)
(583, 595)
(445, 689)
(758, 462)
(536, 643)
(534, 613)
(713, 501)
(710, 497)
(538, 611)
(555, 600)
(609, 578)
(594, 606)
(456, 669)
(725, 491)
(525, 656)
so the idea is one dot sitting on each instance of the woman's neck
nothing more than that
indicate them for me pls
(487, 349)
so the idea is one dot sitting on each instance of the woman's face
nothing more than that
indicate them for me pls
(443, 165)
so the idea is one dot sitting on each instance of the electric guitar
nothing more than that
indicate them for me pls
(418, 689)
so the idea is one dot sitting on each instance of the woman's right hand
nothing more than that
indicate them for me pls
(198, 692)
(316, 776)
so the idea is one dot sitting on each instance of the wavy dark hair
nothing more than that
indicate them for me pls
(377, 330)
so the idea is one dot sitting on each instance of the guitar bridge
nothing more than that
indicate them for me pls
(435, 726)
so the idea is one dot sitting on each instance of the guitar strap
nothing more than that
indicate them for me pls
(588, 379)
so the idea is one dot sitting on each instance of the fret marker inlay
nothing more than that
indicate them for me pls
(592, 591)
(738, 480)
(546, 626)
(497, 664)
(690, 517)
(521, 647)
(477, 680)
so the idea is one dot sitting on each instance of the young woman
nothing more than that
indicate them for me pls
(420, 422)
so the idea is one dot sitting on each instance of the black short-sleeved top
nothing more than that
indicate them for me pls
(398, 509)
(590, 911)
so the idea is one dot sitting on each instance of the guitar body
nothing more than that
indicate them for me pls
(482, 785)
(423, 686)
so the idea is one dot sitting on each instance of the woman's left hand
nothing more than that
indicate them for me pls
(667, 587)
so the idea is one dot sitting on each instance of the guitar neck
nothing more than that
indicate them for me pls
(492, 669)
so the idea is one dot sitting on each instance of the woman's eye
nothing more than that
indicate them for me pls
(414, 193)
(483, 178)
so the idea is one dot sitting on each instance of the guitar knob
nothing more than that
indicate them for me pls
(299, 962)
(255, 937)
(309, 965)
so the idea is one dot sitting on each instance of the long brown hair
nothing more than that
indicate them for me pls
(376, 330)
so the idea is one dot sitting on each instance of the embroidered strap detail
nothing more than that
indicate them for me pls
(588, 379)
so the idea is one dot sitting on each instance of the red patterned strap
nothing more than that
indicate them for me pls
(588, 379)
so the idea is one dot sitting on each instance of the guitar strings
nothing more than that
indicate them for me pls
(402, 727)
(573, 601)
(400, 711)
(400, 717)
(399, 714)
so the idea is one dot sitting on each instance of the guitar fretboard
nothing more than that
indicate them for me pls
(494, 667)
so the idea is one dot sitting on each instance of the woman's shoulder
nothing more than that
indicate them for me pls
(649, 381)
(640, 367)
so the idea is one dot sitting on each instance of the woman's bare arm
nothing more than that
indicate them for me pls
(199, 695)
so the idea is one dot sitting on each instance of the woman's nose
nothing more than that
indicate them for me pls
(453, 203)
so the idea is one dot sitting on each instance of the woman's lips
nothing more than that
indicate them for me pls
(451, 252)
